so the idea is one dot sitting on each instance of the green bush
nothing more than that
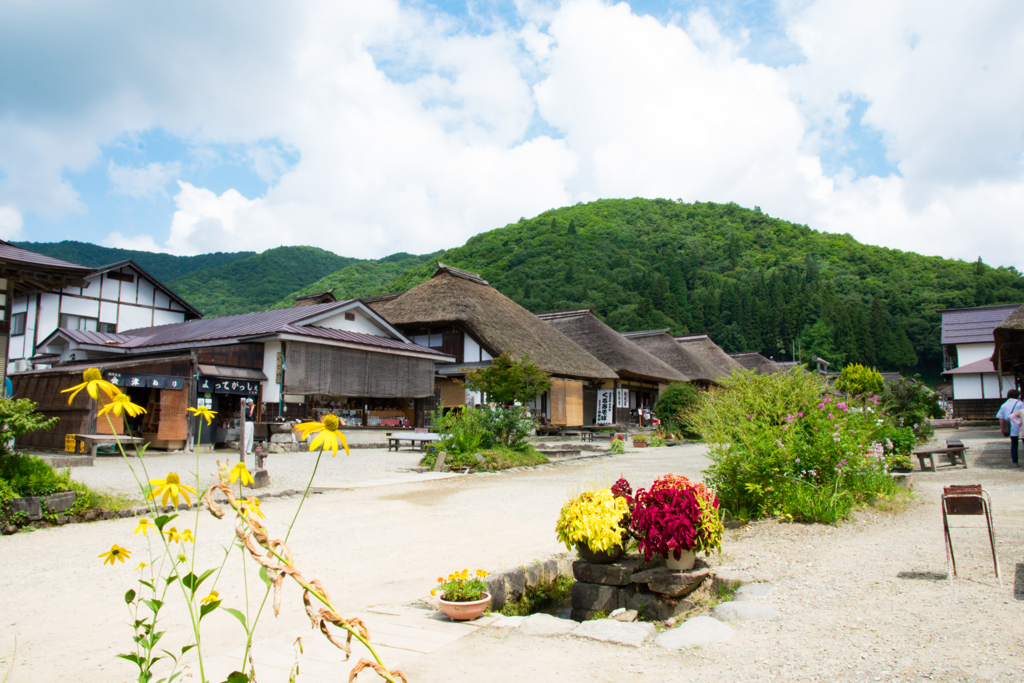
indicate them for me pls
(618, 447)
(858, 380)
(673, 404)
(6, 493)
(460, 429)
(782, 445)
(505, 427)
(910, 403)
(29, 476)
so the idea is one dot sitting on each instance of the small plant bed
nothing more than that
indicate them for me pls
(545, 597)
(494, 459)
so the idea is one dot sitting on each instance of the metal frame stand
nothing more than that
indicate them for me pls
(969, 499)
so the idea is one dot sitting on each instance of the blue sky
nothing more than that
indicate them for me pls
(378, 127)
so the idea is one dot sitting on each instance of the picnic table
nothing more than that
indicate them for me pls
(422, 439)
(954, 450)
(94, 441)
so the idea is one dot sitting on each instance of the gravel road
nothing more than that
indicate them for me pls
(863, 601)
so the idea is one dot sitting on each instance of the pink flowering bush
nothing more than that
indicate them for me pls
(786, 445)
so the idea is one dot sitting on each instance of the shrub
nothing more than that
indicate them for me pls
(19, 416)
(910, 403)
(657, 441)
(29, 476)
(505, 427)
(858, 380)
(507, 380)
(782, 445)
(617, 447)
(460, 430)
(673, 404)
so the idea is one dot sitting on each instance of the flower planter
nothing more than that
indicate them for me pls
(639, 444)
(465, 611)
(598, 556)
(684, 563)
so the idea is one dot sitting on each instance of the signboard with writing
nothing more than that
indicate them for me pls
(622, 398)
(126, 380)
(605, 409)
(238, 387)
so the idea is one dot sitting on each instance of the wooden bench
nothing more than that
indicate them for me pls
(94, 441)
(413, 439)
(955, 453)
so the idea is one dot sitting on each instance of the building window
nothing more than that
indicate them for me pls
(109, 328)
(350, 316)
(17, 324)
(123, 277)
(77, 322)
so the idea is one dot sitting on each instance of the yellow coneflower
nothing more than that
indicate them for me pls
(327, 434)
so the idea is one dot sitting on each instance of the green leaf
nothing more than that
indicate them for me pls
(237, 615)
(189, 581)
(170, 578)
(237, 677)
(132, 658)
(208, 607)
(147, 584)
(129, 596)
(162, 520)
(266, 579)
(187, 648)
(154, 605)
(146, 490)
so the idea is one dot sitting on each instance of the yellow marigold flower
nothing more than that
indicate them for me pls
(142, 565)
(327, 434)
(251, 506)
(481, 573)
(214, 596)
(120, 403)
(93, 383)
(440, 580)
(203, 412)
(171, 487)
(116, 552)
(144, 526)
(433, 592)
(240, 470)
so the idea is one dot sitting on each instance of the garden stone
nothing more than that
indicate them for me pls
(546, 625)
(30, 506)
(752, 591)
(60, 502)
(671, 582)
(62, 520)
(611, 631)
(694, 632)
(655, 607)
(439, 463)
(10, 529)
(727, 579)
(614, 574)
(592, 596)
(507, 622)
(534, 574)
(515, 584)
(626, 615)
(260, 479)
(91, 516)
(496, 587)
(123, 514)
(743, 611)
(550, 571)
(565, 564)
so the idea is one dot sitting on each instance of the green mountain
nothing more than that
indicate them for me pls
(754, 283)
(163, 267)
(363, 278)
(257, 282)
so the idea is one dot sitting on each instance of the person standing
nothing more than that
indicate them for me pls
(1009, 413)
(249, 414)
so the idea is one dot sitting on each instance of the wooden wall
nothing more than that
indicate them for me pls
(238, 356)
(567, 402)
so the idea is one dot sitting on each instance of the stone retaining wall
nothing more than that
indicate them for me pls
(509, 585)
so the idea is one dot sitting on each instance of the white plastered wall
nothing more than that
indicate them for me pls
(362, 324)
(271, 389)
(971, 353)
(969, 386)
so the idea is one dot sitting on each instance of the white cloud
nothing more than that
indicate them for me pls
(135, 242)
(390, 128)
(10, 222)
(145, 182)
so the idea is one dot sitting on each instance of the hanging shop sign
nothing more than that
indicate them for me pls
(130, 380)
(622, 398)
(239, 387)
(605, 406)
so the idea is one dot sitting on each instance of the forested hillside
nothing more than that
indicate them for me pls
(163, 267)
(256, 282)
(753, 282)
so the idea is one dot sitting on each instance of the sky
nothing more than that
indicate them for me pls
(378, 126)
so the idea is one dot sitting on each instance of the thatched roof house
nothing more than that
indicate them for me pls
(492, 321)
(620, 354)
(756, 362)
(660, 344)
(1008, 355)
(712, 353)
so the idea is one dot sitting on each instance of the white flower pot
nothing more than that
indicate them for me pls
(685, 561)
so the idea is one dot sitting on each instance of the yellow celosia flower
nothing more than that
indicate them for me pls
(142, 565)
(327, 434)
(203, 412)
(214, 596)
(240, 470)
(171, 487)
(251, 506)
(144, 526)
(120, 403)
(93, 383)
(116, 552)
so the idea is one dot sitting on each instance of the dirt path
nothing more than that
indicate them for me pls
(860, 601)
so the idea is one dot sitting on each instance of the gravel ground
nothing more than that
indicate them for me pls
(867, 600)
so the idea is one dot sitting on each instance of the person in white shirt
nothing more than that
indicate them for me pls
(249, 424)
(1012, 411)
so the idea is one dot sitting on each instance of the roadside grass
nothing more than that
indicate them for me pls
(495, 459)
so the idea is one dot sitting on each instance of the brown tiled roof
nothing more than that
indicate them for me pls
(974, 325)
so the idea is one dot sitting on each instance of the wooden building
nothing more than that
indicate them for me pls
(970, 360)
(458, 313)
(641, 375)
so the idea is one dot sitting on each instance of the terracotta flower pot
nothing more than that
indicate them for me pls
(639, 444)
(465, 611)
(598, 556)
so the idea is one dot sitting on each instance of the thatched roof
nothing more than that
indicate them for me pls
(458, 296)
(711, 352)
(611, 348)
(756, 362)
(1009, 342)
(313, 299)
(660, 344)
